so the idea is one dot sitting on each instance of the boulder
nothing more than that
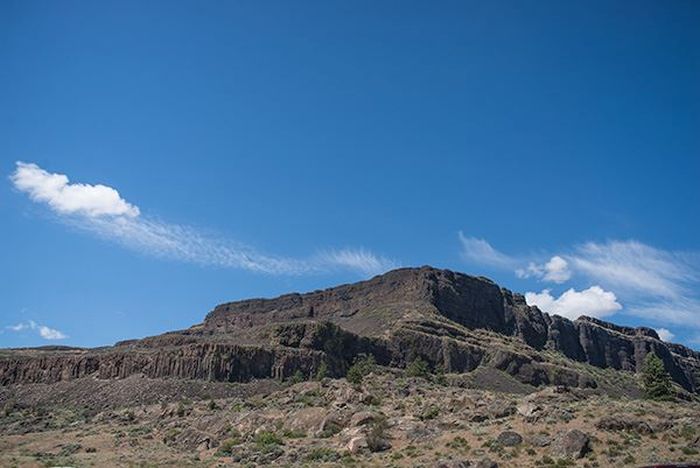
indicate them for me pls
(540, 440)
(357, 444)
(486, 463)
(307, 419)
(362, 418)
(573, 443)
(509, 439)
(331, 424)
(618, 422)
(529, 410)
(501, 409)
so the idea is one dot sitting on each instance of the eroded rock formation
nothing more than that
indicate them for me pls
(454, 321)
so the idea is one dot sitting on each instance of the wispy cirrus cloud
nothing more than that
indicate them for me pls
(637, 267)
(101, 210)
(658, 285)
(479, 251)
(45, 332)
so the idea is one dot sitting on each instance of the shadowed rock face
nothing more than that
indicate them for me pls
(453, 321)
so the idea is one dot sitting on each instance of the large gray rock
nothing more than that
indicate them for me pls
(509, 439)
(362, 418)
(624, 422)
(486, 463)
(573, 443)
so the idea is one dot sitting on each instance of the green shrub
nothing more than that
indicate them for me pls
(361, 367)
(297, 377)
(439, 377)
(459, 443)
(322, 454)
(293, 434)
(330, 430)
(376, 437)
(181, 410)
(687, 432)
(226, 447)
(418, 368)
(322, 371)
(429, 412)
(267, 441)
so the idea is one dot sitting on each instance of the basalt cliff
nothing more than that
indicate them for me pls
(455, 322)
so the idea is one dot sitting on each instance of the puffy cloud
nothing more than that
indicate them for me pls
(66, 198)
(665, 334)
(51, 333)
(594, 302)
(45, 332)
(100, 210)
(555, 270)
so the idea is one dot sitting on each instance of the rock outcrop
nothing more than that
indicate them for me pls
(453, 321)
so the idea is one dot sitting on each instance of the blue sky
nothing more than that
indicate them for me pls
(236, 149)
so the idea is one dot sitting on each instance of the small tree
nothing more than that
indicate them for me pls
(418, 368)
(322, 371)
(362, 366)
(657, 382)
(297, 377)
(440, 378)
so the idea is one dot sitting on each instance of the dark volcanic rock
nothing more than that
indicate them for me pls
(623, 422)
(452, 321)
(509, 439)
(573, 443)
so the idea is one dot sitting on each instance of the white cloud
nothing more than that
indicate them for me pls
(665, 334)
(594, 302)
(64, 197)
(555, 270)
(355, 259)
(684, 311)
(51, 333)
(45, 332)
(19, 326)
(636, 267)
(481, 252)
(100, 210)
(190, 244)
(655, 284)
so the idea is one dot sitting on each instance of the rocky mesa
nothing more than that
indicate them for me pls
(455, 322)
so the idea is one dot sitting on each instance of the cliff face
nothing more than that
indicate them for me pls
(454, 321)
